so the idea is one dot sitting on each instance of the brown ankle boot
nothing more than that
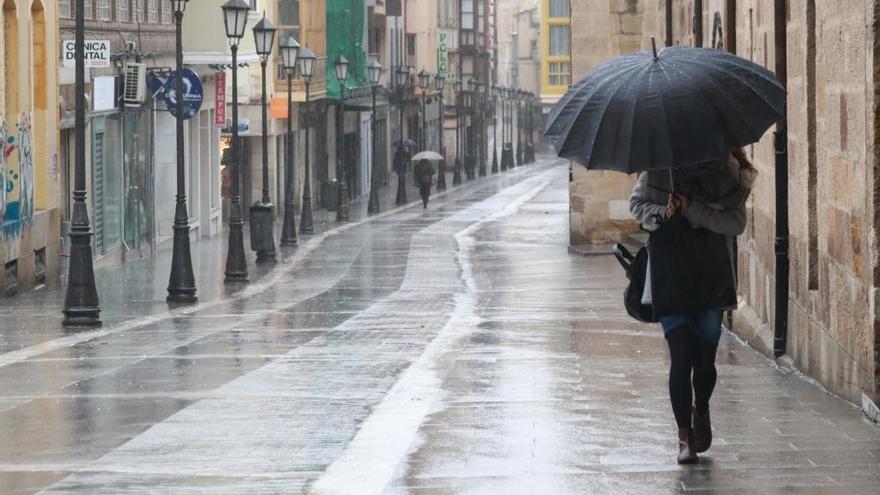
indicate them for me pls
(686, 452)
(702, 431)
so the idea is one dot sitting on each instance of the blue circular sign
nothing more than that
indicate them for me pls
(192, 94)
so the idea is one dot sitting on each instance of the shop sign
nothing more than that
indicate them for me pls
(244, 126)
(443, 61)
(192, 94)
(97, 53)
(220, 99)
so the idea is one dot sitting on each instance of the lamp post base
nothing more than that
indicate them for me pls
(181, 283)
(342, 206)
(81, 307)
(236, 263)
(441, 175)
(288, 229)
(306, 226)
(456, 172)
(494, 161)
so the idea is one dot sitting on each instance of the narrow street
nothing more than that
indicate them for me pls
(455, 349)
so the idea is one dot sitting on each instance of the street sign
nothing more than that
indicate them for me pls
(220, 99)
(97, 53)
(443, 59)
(192, 94)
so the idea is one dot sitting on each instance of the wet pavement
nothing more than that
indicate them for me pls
(458, 349)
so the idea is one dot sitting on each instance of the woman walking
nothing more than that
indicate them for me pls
(425, 178)
(710, 197)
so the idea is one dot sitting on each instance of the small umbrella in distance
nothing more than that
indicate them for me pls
(679, 107)
(427, 155)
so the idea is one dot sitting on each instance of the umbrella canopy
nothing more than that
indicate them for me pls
(427, 155)
(683, 106)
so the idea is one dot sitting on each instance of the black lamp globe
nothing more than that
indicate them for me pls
(289, 51)
(439, 82)
(178, 5)
(471, 84)
(341, 67)
(374, 70)
(306, 61)
(424, 79)
(235, 14)
(264, 36)
(401, 75)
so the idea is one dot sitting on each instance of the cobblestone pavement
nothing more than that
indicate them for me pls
(457, 349)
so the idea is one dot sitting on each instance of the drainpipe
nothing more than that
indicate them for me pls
(668, 23)
(780, 336)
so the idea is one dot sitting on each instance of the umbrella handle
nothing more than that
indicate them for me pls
(654, 47)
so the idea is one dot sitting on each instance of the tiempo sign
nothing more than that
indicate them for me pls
(97, 53)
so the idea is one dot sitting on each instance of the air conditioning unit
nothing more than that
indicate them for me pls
(134, 88)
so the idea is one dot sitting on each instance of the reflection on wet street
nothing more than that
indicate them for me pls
(458, 349)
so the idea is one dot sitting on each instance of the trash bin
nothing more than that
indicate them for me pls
(261, 227)
(329, 190)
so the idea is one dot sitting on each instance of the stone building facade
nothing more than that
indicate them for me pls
(29, 169)
(599, 200)
(833, 63)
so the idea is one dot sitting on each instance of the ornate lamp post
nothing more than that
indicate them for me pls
(181, 282)
(289, 50)
(81, 297)
(402, 78)
(493, 90)
(459, 107)
(518, 99)
(424, 81)
(341, 68)
(235, 14)
(481, 120)
(306, 61)
(374, 70)
(262, 239)
(439, 84)
(470, 147)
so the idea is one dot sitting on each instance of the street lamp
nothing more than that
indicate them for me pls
(81, 297)
(493, 90)
(289, 50)
(181, 282)
(262, 239)
(469, 137)
(374, 70)
(424, 81)
(341, 69)
(439, 84)
(518, 98)
(235, 14)
(306, 61)
(459, 107)
(401, 80)
(481, 147)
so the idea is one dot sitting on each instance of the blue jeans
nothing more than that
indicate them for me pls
(705, 324)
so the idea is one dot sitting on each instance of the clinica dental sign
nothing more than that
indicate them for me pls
(97, 53)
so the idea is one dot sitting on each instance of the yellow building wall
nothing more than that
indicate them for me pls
(29, 187)
(548, 91)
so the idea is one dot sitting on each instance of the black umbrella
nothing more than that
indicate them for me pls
(683, 106)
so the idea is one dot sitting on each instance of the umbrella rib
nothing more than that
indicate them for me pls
(747, 86)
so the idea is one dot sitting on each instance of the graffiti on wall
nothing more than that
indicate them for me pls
(16, 176)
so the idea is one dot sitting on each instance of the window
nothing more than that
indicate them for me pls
(411, 44)
(559, 40)
(87, 9)
(467, 14)
(123, 13)
(64, 8)
(152, 11)
(533, 50)
(480, 16)
(140, 10)
(560, 73)
(288, 25)
(559, 8)
(103, 10)
(166, 12)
